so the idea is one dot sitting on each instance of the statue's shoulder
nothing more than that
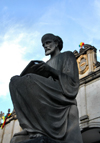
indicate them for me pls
(67, 54)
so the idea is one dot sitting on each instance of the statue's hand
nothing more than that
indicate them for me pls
(41, 69)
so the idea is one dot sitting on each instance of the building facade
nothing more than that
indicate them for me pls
(88, 97)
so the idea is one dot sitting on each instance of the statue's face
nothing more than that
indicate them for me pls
(49, 47)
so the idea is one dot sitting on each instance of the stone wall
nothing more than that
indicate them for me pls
(88, 100)
(8, 131)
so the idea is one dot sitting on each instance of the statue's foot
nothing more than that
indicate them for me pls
(23, 132)
(21, 136)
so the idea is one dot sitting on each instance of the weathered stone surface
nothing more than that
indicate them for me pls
(8, 132)
(88, 100)
(1, 135)
(93, 98)
(81, 100)
(17, 127)
(88, 97)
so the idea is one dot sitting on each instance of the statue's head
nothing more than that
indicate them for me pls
(51, 37)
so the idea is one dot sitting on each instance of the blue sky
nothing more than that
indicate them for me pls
(22, 24)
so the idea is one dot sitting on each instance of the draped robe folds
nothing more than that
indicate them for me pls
(46, 105)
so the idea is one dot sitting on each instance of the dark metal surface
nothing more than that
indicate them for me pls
(44, 99)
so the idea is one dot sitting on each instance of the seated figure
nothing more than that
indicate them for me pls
(44, 96)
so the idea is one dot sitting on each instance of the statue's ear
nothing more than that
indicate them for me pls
(56, 43)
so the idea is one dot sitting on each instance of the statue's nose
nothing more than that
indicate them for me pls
(45, 46)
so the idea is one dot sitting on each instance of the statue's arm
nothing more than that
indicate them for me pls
(69, 77)
(45, 70)
(29, 69)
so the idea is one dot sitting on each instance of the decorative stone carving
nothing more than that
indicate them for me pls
(86, 60)
(82, 64)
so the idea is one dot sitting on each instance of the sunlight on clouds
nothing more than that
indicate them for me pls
(12, 51)
(11, 63)
(45, 58)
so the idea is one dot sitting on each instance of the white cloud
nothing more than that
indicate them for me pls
(45, 58)
(12, 51)
(11, 63)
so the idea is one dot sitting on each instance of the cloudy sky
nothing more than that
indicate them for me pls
(23, 22)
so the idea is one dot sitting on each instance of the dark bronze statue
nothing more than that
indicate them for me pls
(44, 97)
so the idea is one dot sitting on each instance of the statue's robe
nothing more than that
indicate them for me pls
(47, 106)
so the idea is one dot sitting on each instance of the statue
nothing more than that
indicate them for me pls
(44, 97)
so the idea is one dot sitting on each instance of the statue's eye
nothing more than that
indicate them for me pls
(48, 42)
